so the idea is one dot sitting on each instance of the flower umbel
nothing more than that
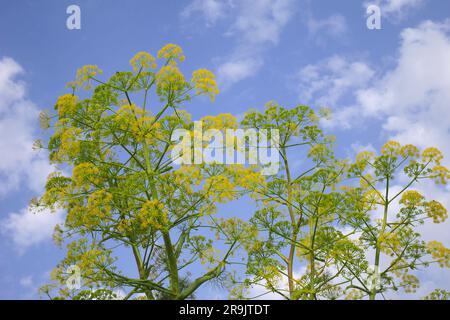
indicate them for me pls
(171, 52)
(205, 83)
(143, 60)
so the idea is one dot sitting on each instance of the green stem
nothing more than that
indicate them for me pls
(290, 264)
(171, 264)
(374, 289)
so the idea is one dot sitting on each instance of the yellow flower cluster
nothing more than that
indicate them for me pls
(171, 52)
(77, 217)
(270, 273)
(124, 226)
(70, 143)
(143, 60)
(169, 79)
(389, 244)
(86, 256)
(410, 283)
(271, 109)
(130, 110)
(220, 122)
(363, 158)
(372, 198)
(133, 118)
(205, 83)
(89, 216)
(412, 198)
(85, 174)
(53, 195)
(153, 214)
(441, 174)
(237, 229)
(436, 211)
(409, 150)
(432, 155)
(188, 174)
(438, 294)
(440, 253)
(85, 74)
(392, 148)
(318, 152)
(66, 105)
(209, 256)
(220, 187)
(247, 178)
(89, 260)
(99, 204)
(145, 129)
(126, 114)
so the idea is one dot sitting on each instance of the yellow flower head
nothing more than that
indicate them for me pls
(409, 283)
(363, 158)
(372, 198)
(318, 152)
(169, 78)
(439, 253)
(85, 74)
(412, 198)
(409, 151)
(389, 243)
(432, 155)
(220, 187)
(205, 83)
(441, 174)
(84, 174)
(66, 105)
(220, 122)
(392, 148)
(436, 211)
(145, 128)
(70, 143)
(153, 214)
(98, 206)
(171, 52)
(143, 60)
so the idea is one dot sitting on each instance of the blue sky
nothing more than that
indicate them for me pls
(381, 84)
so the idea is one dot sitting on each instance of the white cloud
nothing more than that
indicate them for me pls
(334, 26)
(28, 228)
(20, 166)
(396, 8)
(410, 101)
(261, 22)
(10, 90)
(414, 97)
(254, 25)
(235, 70)
(326, 82)
(212, 10)
(257, 25)
(26, 281)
